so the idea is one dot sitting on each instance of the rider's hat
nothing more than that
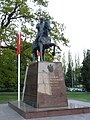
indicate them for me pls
(41, 18)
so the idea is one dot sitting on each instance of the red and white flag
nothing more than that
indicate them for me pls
(18, 53)
(18, 43)
(38, 56)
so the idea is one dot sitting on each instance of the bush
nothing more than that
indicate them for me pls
(8, 90)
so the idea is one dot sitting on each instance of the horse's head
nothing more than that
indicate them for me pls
(47, 24)
(46, 28)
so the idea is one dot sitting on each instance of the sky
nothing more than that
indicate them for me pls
(75, 14)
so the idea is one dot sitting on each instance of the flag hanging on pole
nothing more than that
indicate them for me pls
(38, 56)
(18, 53)
(18, 43)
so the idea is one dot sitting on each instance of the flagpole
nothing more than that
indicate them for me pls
(18, 77)
(18, 53)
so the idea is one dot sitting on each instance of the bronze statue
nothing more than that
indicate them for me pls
(43, 40)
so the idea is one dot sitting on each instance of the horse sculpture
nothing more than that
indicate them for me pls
(43, 42)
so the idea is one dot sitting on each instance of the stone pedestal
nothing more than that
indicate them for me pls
(44, 85)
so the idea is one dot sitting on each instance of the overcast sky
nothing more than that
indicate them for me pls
(75, 14)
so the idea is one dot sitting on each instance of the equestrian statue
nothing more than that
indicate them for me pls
(43, 40)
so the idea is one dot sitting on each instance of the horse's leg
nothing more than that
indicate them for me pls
(33, 50)
(43, 53)
(33, 55)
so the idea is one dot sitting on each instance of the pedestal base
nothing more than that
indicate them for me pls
(45, 93)
(29, 112)
(44, 85)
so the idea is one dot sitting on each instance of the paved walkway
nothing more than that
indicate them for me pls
(6, 113)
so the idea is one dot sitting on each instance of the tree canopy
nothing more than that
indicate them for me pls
(15, 13)
(24, 14)
(85, 71)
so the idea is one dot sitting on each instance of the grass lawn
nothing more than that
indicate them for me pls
(82, 96)
(6, 97)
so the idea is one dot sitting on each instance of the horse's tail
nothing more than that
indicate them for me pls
(53, 53)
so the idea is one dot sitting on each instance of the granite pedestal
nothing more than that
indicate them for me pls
(29, 112)
(44, 85)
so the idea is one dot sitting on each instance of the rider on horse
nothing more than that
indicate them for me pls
(42, 38)
(39, 27)
(43, 28)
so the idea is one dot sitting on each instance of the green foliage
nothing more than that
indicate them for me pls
(69, 73)
(72, 71)
(77, 72)
(8, 69)
(64, 64)
(68, 76)
(13, 15)
(85, 70)
(48, 55)
(8, 66)
(16, 12)
(41, 2)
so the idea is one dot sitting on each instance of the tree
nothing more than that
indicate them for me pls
(85, 71)
(8, 70)
(15, 13)
(84, 53)
(12, 14)
(64, 64)
(69, 73)
(77, 72)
